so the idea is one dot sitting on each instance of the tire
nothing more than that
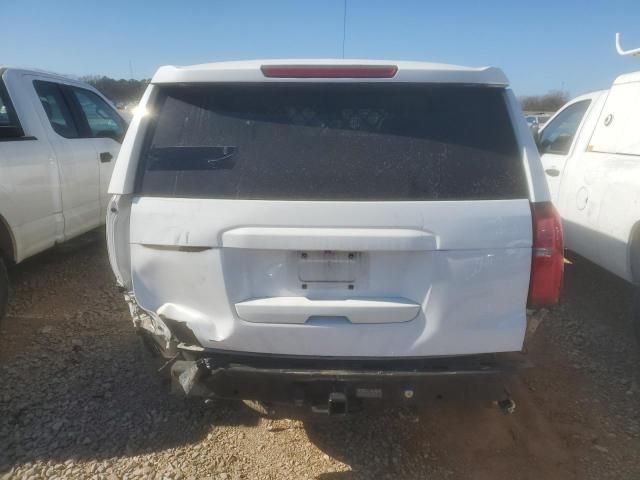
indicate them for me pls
(4, 289)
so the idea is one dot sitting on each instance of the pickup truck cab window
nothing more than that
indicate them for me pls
(9, 125)
(4, 112)
(103, 121)
(557, 137)
(56, 108)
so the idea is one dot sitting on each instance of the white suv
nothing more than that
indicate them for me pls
(307, 230)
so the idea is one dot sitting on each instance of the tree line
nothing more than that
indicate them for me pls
(122, 92)
(549, 102)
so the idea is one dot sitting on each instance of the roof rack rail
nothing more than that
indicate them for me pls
(635, 52)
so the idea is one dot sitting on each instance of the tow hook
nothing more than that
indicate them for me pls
(188, 374)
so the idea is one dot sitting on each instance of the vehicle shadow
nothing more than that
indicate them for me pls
(461, 434)
(76, 381)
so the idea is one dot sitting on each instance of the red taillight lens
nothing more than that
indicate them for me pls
(329, 71)
(547, 268)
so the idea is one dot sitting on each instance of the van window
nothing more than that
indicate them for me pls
(629, 141)
(56, 108)
(619, 122)
(103, 121)
(557, 136)
(316, 141)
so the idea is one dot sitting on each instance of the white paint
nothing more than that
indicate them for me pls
(429, 277)
(538, 190)
(301, 309)
(249, 71)
(342, 239)
(598, 189)
(622, 51)
(51, 188)
(471, 288)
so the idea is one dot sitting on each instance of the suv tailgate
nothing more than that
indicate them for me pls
(350, 220)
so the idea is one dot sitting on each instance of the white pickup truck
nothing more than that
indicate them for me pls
(590, 151)
(58, 142)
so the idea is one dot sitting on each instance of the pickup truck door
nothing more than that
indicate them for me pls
(78, 165)
(106, 129)
(556, 143)
(29, 196)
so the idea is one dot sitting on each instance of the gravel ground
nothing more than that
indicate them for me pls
(80, 398)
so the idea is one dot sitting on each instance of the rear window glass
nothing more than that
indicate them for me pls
(316, 141)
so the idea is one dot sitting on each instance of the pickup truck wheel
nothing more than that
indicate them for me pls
(4, 288)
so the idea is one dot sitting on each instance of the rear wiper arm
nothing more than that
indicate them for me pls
(191, 157)
(227, 152)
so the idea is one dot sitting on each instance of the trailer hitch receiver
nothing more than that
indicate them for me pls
(337, 404)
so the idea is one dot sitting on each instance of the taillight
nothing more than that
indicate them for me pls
(547, 268)
(329, 71)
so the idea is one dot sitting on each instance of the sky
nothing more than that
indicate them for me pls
(541, 45)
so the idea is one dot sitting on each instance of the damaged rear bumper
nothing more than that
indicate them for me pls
(311, 381)
(321, 382)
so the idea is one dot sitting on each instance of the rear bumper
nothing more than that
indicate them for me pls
(311, 381)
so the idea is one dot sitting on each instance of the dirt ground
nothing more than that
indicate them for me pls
(80, 398)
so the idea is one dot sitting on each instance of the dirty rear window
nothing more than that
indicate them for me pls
(318, 141)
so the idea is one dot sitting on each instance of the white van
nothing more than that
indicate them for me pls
(590, 151)
(59, 138)
(309, 231)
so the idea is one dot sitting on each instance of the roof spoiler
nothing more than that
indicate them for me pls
(635, 52)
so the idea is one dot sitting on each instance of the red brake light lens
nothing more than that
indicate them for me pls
(547, 268)
(329, 71)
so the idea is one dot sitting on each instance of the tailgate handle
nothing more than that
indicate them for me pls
(298, 310)
(338, 239)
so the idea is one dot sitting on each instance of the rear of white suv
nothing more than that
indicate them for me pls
(327, 225)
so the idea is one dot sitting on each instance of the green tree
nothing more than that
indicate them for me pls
(549, 102)
(118, 91)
